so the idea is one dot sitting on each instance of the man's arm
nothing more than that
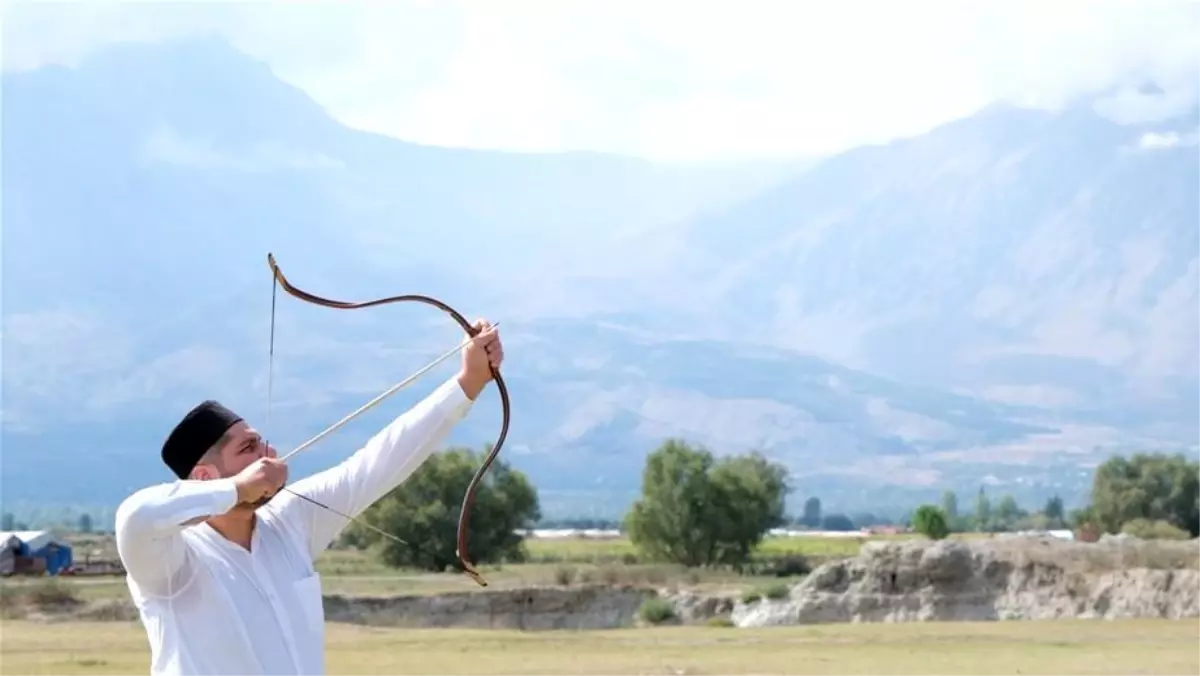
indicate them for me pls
(149, 528)
(386, 460)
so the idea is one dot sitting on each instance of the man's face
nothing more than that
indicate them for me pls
(242, 446)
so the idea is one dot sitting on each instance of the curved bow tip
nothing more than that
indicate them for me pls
(470, 570)
(477, 577)
(271, 261)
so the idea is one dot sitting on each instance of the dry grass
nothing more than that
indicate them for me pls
(1082, 557)
(1060, 647)
(575, 561)
(20, 596)
(598, 550)
(578, 550)
(51, 594)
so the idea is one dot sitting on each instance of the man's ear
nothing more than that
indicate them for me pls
(204, 473)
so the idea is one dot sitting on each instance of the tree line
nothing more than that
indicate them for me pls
(1147, 495)
(694, 509)
(697, 509)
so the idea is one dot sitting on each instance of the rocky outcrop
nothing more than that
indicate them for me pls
(592, 607)
(1005, 578)
(693, 608)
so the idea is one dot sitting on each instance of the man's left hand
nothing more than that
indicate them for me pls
(484, 352)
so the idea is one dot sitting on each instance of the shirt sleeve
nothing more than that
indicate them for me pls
(149, 530)
(386, 460)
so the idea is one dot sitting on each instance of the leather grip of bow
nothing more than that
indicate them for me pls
(473, 487)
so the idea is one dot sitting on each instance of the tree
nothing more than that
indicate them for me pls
(669, 521)
(1053, 511)
(837, 522)
(931, 522)
(85, 523)
(8, 522)
(1154, 487)
(950, 505)
(1008, 512)
(983, 511)
(812, 512)
(750, 493)
(424, 511)
(696, 511)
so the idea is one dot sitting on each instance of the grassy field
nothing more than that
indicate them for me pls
(1059, 647)
(550, 562)
(560, 562)
(587, 550)
(72, 646)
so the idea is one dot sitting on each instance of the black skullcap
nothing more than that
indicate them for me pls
(195, 434)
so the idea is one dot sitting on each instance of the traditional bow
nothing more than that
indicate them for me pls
(469, 498)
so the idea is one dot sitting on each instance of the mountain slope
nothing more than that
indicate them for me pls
(1047, 258)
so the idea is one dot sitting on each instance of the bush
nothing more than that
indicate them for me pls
(656, 611)
(720, 621)
(778, 590)
(930, 521)
(1154, 530)
(564, 575)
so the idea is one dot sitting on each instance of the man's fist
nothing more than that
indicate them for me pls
(260, 481)
(484, 352)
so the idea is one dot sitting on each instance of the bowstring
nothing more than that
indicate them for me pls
(271, 352)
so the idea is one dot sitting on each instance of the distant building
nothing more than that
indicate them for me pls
(33, 551)
(10, 547)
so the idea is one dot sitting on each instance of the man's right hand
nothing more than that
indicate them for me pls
(260, 480)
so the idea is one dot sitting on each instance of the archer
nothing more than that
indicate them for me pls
(220, 562)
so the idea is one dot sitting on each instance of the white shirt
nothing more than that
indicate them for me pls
(211, 607)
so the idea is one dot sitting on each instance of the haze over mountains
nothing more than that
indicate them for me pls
(1004, 300)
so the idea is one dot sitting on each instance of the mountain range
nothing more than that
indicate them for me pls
(1002, 301)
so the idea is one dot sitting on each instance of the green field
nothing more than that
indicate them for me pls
(561, 562)
(587, 549)
(1058, 647)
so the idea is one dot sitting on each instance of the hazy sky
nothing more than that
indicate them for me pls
(663, 79)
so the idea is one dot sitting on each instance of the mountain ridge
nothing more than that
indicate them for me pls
(639, 301)
(848, 219)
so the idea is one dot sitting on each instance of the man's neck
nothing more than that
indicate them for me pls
(237, 526)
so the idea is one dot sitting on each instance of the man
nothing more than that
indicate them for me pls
(220, 563)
